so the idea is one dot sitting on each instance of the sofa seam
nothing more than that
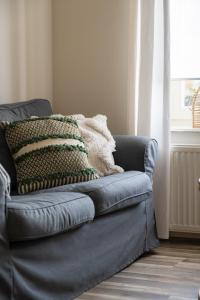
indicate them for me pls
(85, 196)
(86, 220)
(102, 187)
(124, 199)
(146, 225)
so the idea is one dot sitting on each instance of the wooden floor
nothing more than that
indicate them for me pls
(172, 272)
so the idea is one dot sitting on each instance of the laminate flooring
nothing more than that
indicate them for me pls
(171, 271)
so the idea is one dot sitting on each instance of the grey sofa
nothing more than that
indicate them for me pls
(57, 243)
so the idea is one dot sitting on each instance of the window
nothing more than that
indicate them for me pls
(185, 59)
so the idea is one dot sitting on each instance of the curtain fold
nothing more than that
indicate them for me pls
(153, 97)
(26, 50)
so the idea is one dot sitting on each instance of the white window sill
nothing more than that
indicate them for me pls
(185, 136)
(184, 129)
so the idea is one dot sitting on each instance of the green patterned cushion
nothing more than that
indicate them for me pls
(48, 152)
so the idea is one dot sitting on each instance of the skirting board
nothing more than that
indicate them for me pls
(184, 228)
(188, 235)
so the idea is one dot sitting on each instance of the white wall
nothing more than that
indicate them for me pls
(25, 50)
(92, 59)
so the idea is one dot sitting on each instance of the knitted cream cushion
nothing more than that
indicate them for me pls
(99, 143)
(48, 152)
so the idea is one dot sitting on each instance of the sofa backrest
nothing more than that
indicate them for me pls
(14, 112)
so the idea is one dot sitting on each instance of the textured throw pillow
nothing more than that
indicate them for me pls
(99, 143)
(48, 152)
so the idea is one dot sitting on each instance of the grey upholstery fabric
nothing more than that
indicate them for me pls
(25, 109)
(5, 279)
(14, 112)
(41, 215)
(114, 192)
(65, 265)
(136, 153)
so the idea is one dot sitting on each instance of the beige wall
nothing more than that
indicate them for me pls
(92, 59)
(25, 50)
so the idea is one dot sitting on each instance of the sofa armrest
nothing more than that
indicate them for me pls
(136, 153)
(5, 268)
(4, 195)
(4, 185)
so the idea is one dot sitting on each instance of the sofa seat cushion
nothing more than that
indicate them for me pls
(41, 215)
(114, 192)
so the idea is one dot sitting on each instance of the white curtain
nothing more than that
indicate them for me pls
(152, 95)
(25, 50)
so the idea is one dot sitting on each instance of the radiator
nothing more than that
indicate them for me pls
(184, 190)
